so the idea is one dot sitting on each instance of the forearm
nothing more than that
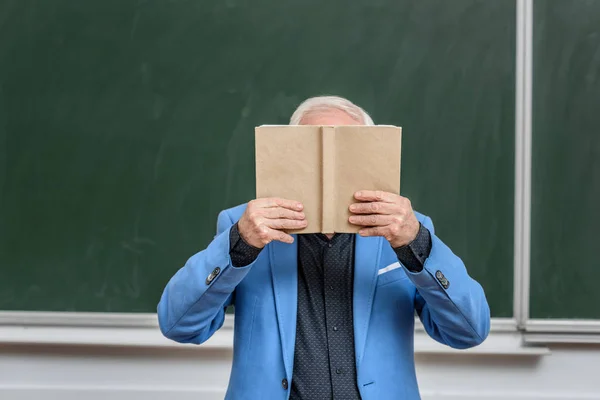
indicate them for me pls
(451, 304)
(192, 306)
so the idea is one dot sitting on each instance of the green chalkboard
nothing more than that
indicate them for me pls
(125, 126)
(566, 160)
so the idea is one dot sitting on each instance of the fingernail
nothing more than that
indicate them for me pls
(299, 206)
(352, 207)
(352, 219)
(361, 233)
(358, 194)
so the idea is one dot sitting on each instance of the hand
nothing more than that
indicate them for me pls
(385, 214)
(265, 220)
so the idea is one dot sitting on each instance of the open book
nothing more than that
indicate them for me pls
(323, 166)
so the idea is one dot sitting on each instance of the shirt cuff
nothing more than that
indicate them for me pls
(414, 254)
(240, 252)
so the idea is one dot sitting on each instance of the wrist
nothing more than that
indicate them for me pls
(398, 243)
(247, 238)
(405, 240)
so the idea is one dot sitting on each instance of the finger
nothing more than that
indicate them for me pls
(280, 236)
(282, 213)
(373, 207)
(375, 231)
(272, 202)
(371, 220)
(280, 224)
(376, 195)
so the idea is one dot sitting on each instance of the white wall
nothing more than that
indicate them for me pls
(568, 373)
(75, 372)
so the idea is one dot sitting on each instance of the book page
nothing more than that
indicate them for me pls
(366, 158)
(288, 165)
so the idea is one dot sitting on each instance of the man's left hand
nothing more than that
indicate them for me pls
(385, 214)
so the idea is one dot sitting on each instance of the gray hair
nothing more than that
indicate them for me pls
(323, 103)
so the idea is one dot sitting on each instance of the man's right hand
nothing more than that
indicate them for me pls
(266, 220)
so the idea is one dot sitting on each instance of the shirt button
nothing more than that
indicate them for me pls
(284, 384)
(331, 287)
(338, 371)
(335, 328)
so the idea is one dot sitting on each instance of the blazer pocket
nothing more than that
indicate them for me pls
(391, 273)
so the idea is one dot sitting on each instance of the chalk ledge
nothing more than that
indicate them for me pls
(141, 330)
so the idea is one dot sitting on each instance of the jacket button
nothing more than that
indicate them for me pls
(439, 275)
(211, 277)
(284, 384)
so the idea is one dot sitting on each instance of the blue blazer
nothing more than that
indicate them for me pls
(386, 296)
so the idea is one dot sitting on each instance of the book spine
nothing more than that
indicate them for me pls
(328, 154)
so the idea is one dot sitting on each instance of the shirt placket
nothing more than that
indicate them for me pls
(333, 288)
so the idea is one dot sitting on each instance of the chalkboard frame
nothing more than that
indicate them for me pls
(14, 324)
(536, 330)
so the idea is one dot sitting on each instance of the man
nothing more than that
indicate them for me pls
(325, 316)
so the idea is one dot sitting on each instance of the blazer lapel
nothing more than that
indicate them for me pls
(284, 271)
(366, 260)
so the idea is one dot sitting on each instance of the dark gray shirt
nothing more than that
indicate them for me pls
(324, 358)
(324, 363)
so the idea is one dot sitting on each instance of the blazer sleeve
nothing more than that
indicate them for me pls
(192, 306)
(451, 304)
